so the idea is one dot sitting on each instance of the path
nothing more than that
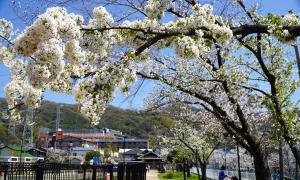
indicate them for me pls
(152, 175)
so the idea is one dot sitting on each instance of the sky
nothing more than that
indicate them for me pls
(275, 6)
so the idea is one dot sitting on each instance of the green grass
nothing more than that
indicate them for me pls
(173, 175)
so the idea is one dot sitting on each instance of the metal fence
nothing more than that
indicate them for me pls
(213, 173)
(53, 171)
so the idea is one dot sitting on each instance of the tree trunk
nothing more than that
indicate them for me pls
(178, 169)
(184, 168)
(295, 151)
(203, 171)
(281, 168)
(197, 167)
(262, 171)
(188, 170)
(198, 173)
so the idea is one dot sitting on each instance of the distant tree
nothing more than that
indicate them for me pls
(107, 152)
(92, 154)
(53, 157)
(174, 156)
(194, 135)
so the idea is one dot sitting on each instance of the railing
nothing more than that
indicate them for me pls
(213, 173)
(53, 171)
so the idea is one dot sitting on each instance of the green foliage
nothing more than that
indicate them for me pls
(177, 156)
(135, 123)
(6, 136)
(167, 122)
(92, 154)
(2, 128)
(107, 152)
(172, 156)
(172, 175)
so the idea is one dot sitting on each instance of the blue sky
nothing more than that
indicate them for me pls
(274, 6)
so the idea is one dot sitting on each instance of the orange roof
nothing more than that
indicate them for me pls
(93, 136)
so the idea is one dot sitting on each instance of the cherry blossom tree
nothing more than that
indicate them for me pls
(233, 68)
(194, 131)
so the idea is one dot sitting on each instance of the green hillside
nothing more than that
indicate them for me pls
(135, 123)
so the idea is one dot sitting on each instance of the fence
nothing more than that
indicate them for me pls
(53, 171)
(132, 171)
(213, 173)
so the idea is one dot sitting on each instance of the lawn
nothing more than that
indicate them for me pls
(172, 175)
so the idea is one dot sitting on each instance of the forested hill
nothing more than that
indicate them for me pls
(135, 123)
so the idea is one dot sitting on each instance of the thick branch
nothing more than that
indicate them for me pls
(218, 111)
(296, 48)
(242, 30)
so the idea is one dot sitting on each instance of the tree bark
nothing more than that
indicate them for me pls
(184, 168)
(203, 171)
(197, 167)
(188, 168)
(281, 168)
(296, 48)
(262, 170)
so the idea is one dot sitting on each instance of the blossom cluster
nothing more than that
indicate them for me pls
(155, 9)
(277, 25)
(64, 54)
(56, 51)
(94, 93)
(59, 46)
(206, 25)
(5, 29)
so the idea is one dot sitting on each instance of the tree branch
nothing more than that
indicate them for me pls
(296, 48)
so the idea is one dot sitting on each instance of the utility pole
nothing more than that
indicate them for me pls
(58, 118)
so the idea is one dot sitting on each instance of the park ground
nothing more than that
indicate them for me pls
(154, 175)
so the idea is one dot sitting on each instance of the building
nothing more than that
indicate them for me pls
(150, 158)
(82, 151)
(67, 139)
(129, 154)
(13, 153)
(120, 143)
(144, 155)
(43, 138)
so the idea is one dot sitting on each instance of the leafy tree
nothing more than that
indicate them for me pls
(89, 156)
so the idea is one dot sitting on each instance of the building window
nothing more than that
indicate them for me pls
(74, 154)
(14, 159)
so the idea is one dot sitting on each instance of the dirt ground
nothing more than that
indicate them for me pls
(152, 175)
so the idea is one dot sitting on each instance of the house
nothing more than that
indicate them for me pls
(14, 153)
(76, 160)
(144, 155)
(37, 152)
(150, 158)
(76, 155)
(129, 154)
(82, 151)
